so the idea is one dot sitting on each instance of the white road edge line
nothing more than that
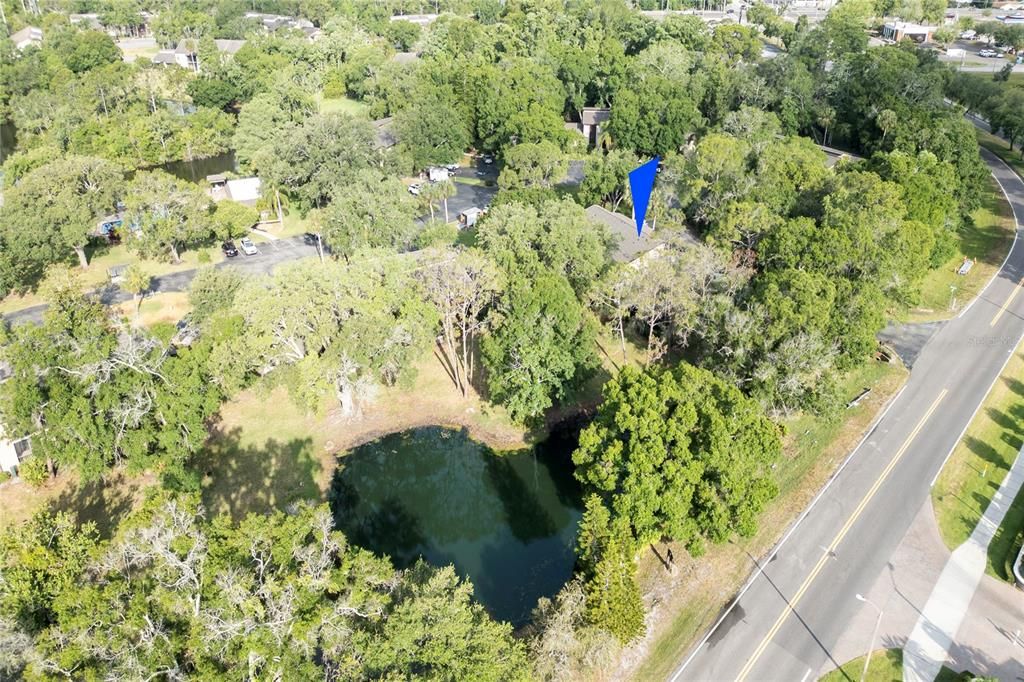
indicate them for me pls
(775, 550)
(1016, 231)
(1020, 339)
(878, 419)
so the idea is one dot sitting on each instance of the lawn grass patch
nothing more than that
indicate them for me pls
(977, 467)
(692, 600)
(886, 666)
(104, 257)
(1001, 148)
(986, 240)
(342, 105)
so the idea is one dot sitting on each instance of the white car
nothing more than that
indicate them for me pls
(248, 248)
(989, 53)
(414, 190)
(968, 35)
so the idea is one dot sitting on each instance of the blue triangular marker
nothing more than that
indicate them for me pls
(641, 182)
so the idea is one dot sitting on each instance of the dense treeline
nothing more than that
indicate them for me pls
(178, 596)
(776, 273)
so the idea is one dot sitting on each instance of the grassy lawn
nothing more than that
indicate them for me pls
(169, 306)
(105, 502)
(1001, 148)
(886, 666)
(985, 240)
(342, 105)
(814, 447)
(978, 466)
(102, 258)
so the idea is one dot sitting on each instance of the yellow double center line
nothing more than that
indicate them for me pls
(791, 606)
(1013, 295)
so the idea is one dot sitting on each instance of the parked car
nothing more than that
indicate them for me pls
(968, 35)
(415, 190)
(452, 167)
(248, 248)
(989, 53)
(488, 159)
(229, 249)
(309, 239)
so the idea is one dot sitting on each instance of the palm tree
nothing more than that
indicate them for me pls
(137, 282)
(446, 189)
(431, 194)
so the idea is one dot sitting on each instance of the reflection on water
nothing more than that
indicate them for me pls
(507, 522)
(198, 169)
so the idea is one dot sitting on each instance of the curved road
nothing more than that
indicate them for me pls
(798, 602)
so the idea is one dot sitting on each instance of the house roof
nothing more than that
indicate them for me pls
(164, 57)
(908, 27)
(30, 33)
(244, 189)
(384, 133)
(628, 246)
(229, 46)
(405, 57)
(594, 115)
(190, 45)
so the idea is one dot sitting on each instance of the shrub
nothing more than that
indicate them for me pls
(33, 471)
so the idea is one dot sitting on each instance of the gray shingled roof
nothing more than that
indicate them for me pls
(594, 115)
(628, 246)
(384, 133)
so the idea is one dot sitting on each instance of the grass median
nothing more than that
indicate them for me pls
(977, 467)
(886, 665)
(986, 240)
(689, 602)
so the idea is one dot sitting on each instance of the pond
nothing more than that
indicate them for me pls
(198, 169)
(506, 521)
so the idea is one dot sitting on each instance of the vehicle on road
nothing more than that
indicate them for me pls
(968, 35)
(248, 248)
(989, 53)
(488, 159)
(415, 189)
(229, 249)
(452, 167)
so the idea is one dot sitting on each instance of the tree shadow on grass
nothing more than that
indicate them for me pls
(1015, 385)
(986, 452)
(239, 480)
(105, 502)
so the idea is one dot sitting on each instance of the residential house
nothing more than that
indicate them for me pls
(629, 246)
(185, 53)
(246, 191)
(421, 19)
(591, 121)
(30, 35)
(384, 133)
(13, 451)
(275, 22)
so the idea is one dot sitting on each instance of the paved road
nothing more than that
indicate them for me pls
(786, 623)
(271, 255)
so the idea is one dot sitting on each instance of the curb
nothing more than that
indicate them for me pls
(1017, 564)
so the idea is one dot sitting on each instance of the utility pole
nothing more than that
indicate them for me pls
(874, 633)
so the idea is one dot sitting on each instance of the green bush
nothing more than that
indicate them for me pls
(437, 233)
(204, 256)
(33, 471)
(4, 476)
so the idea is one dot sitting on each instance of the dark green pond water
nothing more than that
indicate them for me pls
(507, 522)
